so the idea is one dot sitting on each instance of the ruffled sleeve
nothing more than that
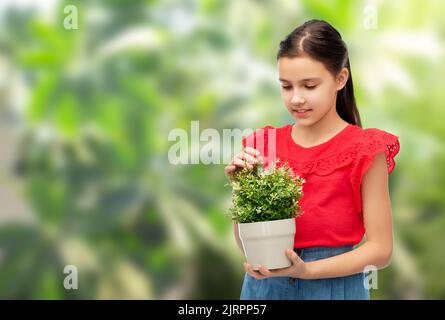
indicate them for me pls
(370, 143)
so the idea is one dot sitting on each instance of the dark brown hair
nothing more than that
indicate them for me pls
(322, 42)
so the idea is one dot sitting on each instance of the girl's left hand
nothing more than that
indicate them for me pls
(298, 269)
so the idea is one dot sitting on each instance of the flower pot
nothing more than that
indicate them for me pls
(265, 243)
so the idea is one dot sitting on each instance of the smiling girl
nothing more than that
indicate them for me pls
(346, 168)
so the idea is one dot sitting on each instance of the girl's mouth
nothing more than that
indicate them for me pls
(302, 113)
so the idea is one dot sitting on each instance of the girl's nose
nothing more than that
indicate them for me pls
(296, 99)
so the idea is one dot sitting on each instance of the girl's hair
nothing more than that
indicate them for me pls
(322, 42)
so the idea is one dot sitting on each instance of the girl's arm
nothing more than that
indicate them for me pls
(377, 249)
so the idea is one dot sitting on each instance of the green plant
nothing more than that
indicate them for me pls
(265, 194)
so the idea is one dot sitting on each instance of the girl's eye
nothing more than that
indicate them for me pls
(286, 87)
(310, 87)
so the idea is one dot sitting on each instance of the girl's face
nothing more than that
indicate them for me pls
(306, 84)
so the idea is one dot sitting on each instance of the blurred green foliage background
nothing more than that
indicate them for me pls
(85, 114)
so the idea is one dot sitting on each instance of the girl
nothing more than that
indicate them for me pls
(346, 169)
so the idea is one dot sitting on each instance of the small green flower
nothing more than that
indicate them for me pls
(265, 194)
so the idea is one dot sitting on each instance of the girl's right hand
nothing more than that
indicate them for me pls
(249, 157)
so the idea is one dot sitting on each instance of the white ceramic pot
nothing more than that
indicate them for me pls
(265, 243)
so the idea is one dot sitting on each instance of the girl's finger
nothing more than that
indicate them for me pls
(229, 169)
(249, 271)
(253, 273)
(291, 254)
(252, 151)
(238, 162)
(248, 158)
(241, 163)
(264, 271)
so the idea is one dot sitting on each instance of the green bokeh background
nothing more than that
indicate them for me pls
(85, 115)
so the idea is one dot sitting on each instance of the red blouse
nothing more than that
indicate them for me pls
(333, 172)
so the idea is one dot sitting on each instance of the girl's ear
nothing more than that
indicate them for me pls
(342, 78)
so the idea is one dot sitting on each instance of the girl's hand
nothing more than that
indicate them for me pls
(249, 157)
(298, 269)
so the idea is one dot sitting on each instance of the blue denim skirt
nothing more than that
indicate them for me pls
(287, 288)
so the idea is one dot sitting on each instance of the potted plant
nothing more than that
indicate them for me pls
(265, 205)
